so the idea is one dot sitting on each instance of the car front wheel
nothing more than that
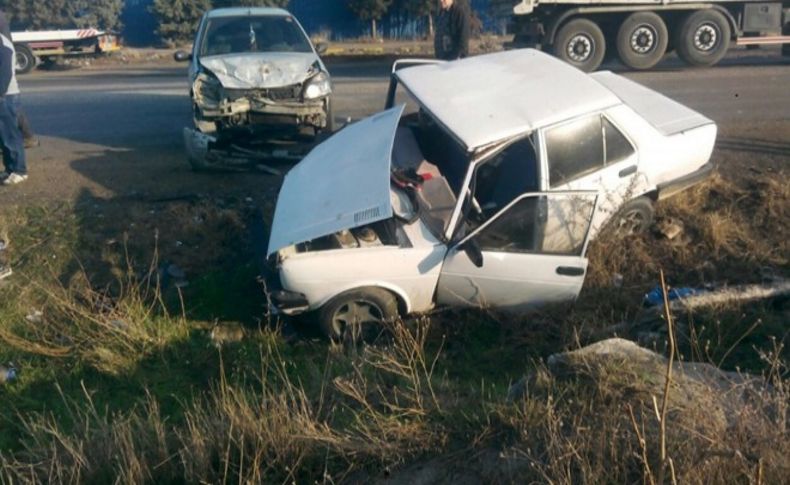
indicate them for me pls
(358, 315)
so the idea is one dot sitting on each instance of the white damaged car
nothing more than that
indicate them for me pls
(254, 76)
(481, 185)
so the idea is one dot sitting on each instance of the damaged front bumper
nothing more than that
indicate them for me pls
(279, 300)
(206, 151)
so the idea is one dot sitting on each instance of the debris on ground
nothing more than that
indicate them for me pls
(36, 316)
(669, 228)
(5, 271)
(226, 333)
(7, 374)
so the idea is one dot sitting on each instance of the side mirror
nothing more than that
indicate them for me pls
(321, 48)
(182, 56)
(473, 252)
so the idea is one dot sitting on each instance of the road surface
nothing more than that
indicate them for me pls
(116, 131)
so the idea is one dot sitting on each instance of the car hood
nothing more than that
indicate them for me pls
(343, 183)
(262, 70)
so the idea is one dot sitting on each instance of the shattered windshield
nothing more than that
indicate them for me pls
(241, 35)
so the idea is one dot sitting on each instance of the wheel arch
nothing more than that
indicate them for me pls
(403, 300)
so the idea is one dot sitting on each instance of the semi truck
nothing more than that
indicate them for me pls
(641, 32)
(33, 47)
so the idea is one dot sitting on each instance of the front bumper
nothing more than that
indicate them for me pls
(668, 189)
(279, 300)
(283, 113)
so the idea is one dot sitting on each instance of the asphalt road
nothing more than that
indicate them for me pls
(117, 130)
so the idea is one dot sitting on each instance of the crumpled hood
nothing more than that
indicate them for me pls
(342, 184)
(261, 70)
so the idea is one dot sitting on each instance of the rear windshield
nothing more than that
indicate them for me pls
(239, 35)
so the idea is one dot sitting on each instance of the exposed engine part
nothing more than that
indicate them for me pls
(367, 237)
(345, 239)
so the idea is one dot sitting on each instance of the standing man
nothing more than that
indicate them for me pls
(452, 30)
(11, 136)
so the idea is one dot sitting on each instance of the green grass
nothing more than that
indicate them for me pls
(264, 409)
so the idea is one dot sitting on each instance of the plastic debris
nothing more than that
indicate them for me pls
(7, 374)
(36, 316)
(655, 296)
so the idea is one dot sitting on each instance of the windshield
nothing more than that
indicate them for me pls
(240, 35)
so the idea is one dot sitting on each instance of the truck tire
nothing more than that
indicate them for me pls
(25, 60)
(642, 40)
(580, 43)
(703, 37)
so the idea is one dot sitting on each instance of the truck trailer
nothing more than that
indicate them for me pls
(33, 47)
(640, 32)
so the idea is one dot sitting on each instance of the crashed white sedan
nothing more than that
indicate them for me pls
(254, 75)
(482, 188)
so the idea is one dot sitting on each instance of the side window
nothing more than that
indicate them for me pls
(507, 175)
(618, 147)
(547, 224)
(574, 149)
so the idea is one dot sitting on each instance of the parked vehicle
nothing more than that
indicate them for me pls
(254, 76)
(480, 185)
(33, 47)
(582, 32)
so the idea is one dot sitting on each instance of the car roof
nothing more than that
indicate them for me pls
(240, 11)
(491, 98)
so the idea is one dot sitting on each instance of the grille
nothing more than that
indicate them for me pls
(284, 93)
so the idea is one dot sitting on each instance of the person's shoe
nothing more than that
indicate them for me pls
(4, 175)
(14, 179)
(32, 142)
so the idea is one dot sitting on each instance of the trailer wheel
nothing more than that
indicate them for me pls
(25, 60)
(642, 40)
(580, 43)
(703, 37)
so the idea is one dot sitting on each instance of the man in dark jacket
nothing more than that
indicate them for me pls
(452, 30)
(11, 136)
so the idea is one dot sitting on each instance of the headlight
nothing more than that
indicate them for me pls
(318, 87)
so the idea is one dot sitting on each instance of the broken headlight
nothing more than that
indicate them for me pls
(318, 86)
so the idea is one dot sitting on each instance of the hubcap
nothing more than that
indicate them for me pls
(706, 37)
(21, 61)
(643, 39)
(631, 223)
(580, 48)
(356, 315)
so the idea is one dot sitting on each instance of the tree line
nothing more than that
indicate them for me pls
(177, 19)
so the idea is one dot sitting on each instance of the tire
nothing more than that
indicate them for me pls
(635, 217)
(580, 43)
(703, 38)
(358, 315)
(25, 60)
(642, 40)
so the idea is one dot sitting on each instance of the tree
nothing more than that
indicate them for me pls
(251, 3)
(54, 14)
(177, 20)
(371, 10)
(422, 8)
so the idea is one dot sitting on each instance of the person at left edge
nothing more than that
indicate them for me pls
(11, 136)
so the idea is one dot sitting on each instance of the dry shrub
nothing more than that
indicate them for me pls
(110, 330)
(261, 432)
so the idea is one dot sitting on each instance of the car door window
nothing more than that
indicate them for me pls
(552, 223)
(617, 146)
(507, 175)
(574, 149)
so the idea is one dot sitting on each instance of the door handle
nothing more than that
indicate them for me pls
(627, 171)
(570, 271)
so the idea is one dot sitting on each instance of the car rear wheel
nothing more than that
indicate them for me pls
(358, 315)
(580, 43)
(635, 217)
(703, 38)
(642, 40)
(25, 60)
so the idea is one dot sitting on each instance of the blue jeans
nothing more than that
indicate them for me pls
(13, 143)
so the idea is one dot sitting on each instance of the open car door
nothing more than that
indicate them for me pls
(530, 253)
